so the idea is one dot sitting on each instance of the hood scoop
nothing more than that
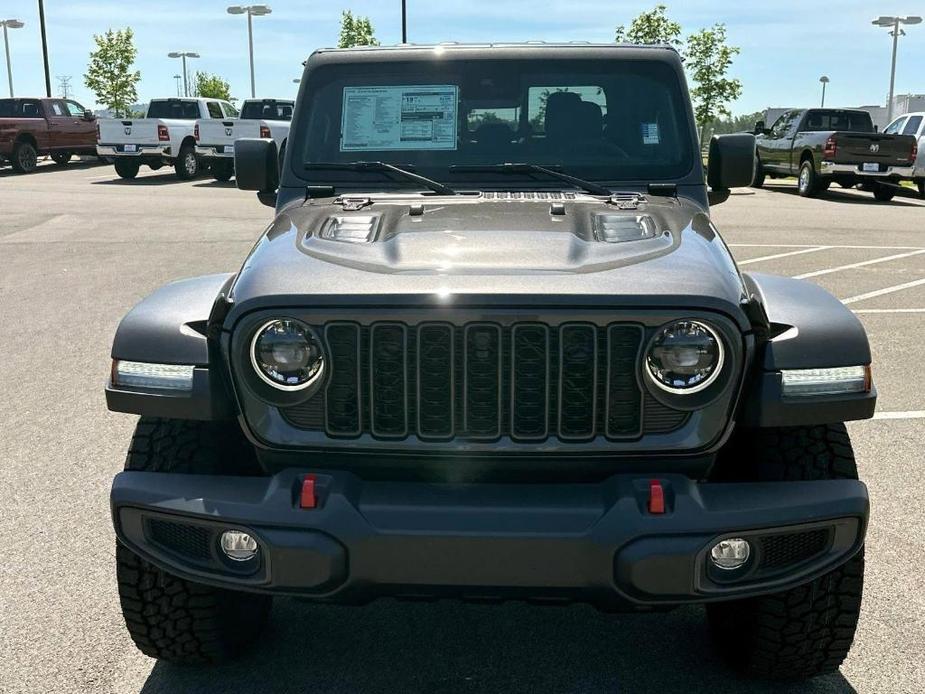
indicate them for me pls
(352, 228)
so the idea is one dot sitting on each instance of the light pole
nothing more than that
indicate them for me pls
(9, 24)
(893, 23)
(825, 80)
(404, 22)
(44, 48)
(251, 11)
(184, 55)
(178, 78)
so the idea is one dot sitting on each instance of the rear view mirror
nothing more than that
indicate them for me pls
(256, 167)
(88, 115)
(760, 128)
(731, 164)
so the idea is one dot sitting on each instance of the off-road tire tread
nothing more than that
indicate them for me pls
(168, 617)
(808, 630)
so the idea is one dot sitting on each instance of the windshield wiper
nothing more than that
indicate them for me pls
(587, 186)
(381, 166)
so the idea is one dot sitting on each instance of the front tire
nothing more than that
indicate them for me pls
(25, 158)
(126, 168)
(807, 630)
(187, 165)
(169, 617)
(884, 193)
(222, 170)
(61, 158)
(808, 181)
(759, 175)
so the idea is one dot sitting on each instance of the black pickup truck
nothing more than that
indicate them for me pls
(822, 145)
(493, 358)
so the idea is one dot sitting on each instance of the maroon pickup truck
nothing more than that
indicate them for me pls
(31, 127)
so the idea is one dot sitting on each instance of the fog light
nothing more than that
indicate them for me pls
(238, 545)
(731, 553)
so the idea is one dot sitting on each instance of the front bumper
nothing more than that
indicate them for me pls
(591, 542)
(143, 151)
(214, 152)
(829, 168)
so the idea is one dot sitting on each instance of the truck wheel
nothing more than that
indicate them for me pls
(222, 170)
(884, 193)
(186, 165)
(61, 158)
(808, 181)
(166, 616)
(922, 188)
(25, 159)
(758, 175)
(808, 630)
(126, 168)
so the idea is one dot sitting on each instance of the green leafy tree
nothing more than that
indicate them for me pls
(709, 58)
(651, 27)
(211, 86)
(109, 73)
(737, 124)
(356, 31)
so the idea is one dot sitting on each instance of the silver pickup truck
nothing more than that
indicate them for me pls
(912, 124)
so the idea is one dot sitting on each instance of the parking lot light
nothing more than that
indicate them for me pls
(893, 23)
(9, 24)
(251, 11)
(825, 80)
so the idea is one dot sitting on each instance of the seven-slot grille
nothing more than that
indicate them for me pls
(482, 381)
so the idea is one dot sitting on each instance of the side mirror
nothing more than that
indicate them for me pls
(256, 167)
(88, 115)
(760, 128)
(731, 164)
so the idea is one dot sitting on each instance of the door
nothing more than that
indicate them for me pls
(84, 130)
(781, 141)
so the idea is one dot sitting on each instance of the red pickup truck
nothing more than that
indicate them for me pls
(31, 127)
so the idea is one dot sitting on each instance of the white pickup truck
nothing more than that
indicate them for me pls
(913, 124)
(164, 136)
(263, 118)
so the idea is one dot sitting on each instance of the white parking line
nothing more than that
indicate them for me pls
(814, 245)
(911, 414)
(889, 310)
(863, 263)
(784, 255)
(885, 290)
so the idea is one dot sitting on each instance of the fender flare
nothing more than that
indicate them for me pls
(170, 327)
(809, 328)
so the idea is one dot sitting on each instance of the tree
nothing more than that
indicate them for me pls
(356, 31)
(211, 86)
(708, 60)
(109, 73)
(651, 27)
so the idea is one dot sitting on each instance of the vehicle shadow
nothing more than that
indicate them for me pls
(856, 197)
(49, 166)
(448, 646)
(160, 179)
(215, 184)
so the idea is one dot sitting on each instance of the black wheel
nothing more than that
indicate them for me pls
(126, 168)
(808, 181)
(884, 193)
(169, 617)
(758, 175)
(61, 158)
(222, 170)
(808, 630)
(922, 188)
(187, 165)
(25, 159)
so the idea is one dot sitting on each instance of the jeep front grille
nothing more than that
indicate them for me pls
(484, 381)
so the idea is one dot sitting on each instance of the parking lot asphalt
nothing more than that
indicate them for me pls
(78, 247)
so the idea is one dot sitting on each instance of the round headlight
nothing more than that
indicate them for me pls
(685, 357)
(287, 354)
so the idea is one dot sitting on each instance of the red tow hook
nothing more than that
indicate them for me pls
(307, 498)
(656, 497)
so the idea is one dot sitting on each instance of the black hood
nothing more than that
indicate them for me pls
(513, 247)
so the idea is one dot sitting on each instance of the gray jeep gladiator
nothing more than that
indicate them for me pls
(492, 347)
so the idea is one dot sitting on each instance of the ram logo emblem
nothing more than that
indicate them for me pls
(128, 130)
(875, 147)
(228, 132)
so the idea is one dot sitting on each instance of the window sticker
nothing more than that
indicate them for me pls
(411, 117)
(650, 134)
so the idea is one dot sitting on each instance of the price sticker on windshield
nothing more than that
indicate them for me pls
(417, 117)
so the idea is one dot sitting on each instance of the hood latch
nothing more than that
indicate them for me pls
(626, 201)
(354, 204)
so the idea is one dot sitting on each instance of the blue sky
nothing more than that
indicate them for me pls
(786, 45)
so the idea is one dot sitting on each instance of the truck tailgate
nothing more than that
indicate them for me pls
(874, 148)
(225, 132)
(137, 132)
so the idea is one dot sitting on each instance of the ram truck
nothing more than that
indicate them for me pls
(164, 137)
(259, 118)
(492, 357)
(913, 124)
(824, 145)
(35, 127)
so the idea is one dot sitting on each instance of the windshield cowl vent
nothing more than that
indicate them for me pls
(358, 228)
(527, 195)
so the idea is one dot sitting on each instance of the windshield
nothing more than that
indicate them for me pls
(267, 110)
(174, 108)
(600, 120)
